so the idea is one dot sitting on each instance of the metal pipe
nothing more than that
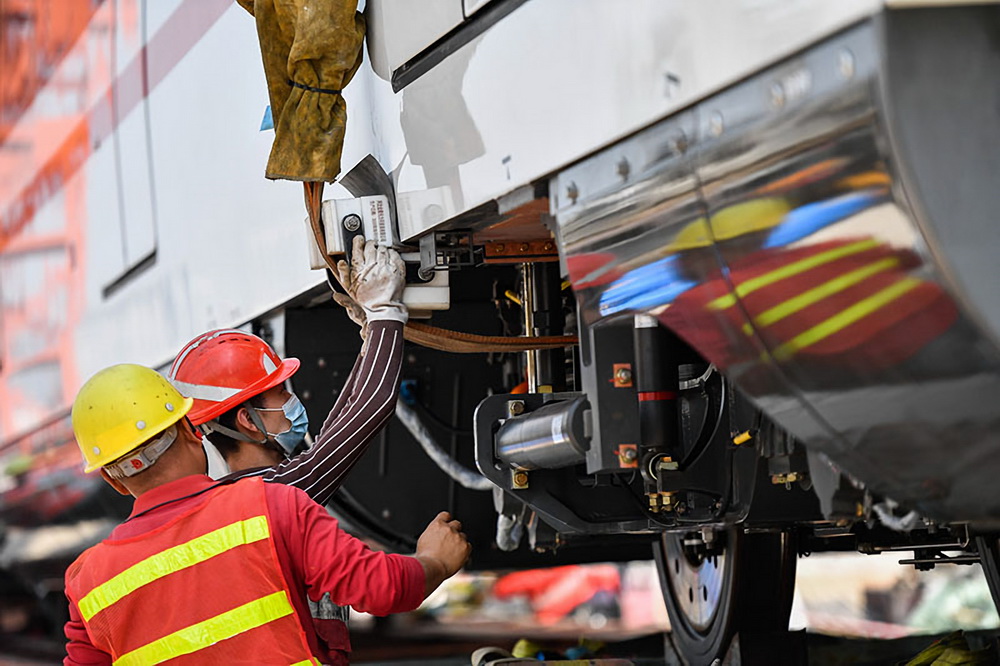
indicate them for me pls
(657, 384)
(528, 310)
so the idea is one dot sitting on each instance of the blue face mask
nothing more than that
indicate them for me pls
(295, 412)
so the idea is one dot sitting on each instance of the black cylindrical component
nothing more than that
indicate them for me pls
(549, 319)
(657, 383)
(556, 435)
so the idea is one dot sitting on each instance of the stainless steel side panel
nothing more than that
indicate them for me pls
(556, 80)
(790, 245)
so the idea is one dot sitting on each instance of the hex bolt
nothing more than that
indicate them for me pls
(515, 407)
(623, 376)
(499, 247)
(352, 222)
(520, 479)
(524, 247)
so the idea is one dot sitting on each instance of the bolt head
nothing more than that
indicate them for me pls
(623, 169)
(572, 192)
(352, 222)
(515, 407)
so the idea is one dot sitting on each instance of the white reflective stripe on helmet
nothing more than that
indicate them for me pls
(194, 344)
(204, 391)
(144, 458)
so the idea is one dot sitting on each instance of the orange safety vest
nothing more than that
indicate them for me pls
(204, 588)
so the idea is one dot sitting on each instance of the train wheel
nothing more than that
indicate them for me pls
(735, 583)
(989, 557)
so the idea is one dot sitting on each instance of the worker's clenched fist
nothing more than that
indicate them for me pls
(442, 549)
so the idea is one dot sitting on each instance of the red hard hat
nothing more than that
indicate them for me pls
(223, 369)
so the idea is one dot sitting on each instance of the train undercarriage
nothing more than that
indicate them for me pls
(786, 321)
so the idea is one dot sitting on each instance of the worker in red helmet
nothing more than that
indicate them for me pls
(244, 408)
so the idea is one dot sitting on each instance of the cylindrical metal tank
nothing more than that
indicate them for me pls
(556, 435)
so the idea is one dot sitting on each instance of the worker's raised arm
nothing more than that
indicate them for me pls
(368, 400)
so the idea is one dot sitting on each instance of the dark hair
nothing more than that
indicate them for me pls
(223, 442)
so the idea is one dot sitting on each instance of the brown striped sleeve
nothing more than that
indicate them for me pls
(354, 421)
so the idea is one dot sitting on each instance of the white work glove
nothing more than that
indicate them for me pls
(374, 281)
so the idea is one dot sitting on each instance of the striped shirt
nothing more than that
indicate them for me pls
(363, 408)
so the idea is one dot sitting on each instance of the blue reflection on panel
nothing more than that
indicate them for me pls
(646, 287)
(810, 218)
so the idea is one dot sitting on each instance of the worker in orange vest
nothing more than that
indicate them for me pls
(225, 572)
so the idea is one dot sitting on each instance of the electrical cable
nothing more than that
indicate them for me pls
(426, 411)
(425, 335)
(464, 476)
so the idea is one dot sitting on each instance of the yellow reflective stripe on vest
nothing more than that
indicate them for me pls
(208, 632)
(845, 318)
(791, 270)
(816, 294)
(173, 559)
(309, 662)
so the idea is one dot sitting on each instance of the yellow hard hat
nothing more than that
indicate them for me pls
(121, 407)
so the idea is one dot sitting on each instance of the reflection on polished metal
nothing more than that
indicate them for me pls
(782, 248)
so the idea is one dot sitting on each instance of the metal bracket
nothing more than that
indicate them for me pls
(446, 251)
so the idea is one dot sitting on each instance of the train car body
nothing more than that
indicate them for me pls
(773, 219)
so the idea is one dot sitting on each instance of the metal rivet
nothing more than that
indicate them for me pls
(572, 192)
(169, 406)
(97, 450)
(716, 125)
(845, 64)
(777, 96)
(623, 169)
(140, 424)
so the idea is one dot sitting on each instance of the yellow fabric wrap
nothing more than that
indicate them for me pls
(314, 43)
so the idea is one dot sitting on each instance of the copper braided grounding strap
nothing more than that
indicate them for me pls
(431, 336)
